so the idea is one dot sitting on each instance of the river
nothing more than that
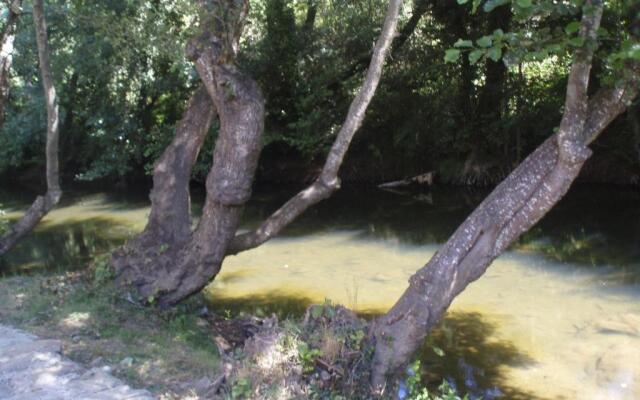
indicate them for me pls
(556, 317)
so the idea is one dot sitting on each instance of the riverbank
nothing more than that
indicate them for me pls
(191, 353)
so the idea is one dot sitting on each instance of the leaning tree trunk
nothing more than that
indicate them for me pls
(6, 57)
(43, 204)
(168, 270)
(519, 202)
(240, 105)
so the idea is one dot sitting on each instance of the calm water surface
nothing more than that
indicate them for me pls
(557, 317)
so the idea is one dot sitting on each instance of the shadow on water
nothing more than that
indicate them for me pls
(266, 304)
(473, 361)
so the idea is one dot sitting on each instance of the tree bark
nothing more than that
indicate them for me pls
(166, 273)
(6, 57)
(328, 181)
(43, 204)
(169, 225)
(519, 202)
(240, 107)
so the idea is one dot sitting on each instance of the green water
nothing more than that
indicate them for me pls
(557, 317)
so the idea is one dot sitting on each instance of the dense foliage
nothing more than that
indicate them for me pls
(123, 82)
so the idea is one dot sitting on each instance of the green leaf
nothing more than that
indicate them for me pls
(577, 41)
(475, 5)
(451, 55)
(475, 55)
(316, 312)
(438, 351)
(495, 53)
(524, 3)
(463, 43)
(462, 1)
(485, 41)
(493, 4)
(603, 32)
(554, 48)
(572, 27)
(498, 34)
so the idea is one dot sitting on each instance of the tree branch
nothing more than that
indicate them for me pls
(328, 180)
(570, 141)
(43, 204)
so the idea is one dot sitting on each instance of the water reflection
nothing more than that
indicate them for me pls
(61, 247)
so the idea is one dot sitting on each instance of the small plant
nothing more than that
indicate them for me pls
(307, 356)
(102, 272)
(4, 223)
(241, 389)
(412, 389)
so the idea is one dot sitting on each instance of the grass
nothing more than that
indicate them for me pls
(158, 350)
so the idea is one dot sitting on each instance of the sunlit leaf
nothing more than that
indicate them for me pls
(463, 43)
(475, 55)
(495, 53)
(572, 27)
(451, 55)
(485, 41)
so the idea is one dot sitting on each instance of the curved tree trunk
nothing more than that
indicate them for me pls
(169, 224)
(167, 272)
(43, 204)
(185, 270)
(6, 57)
(517, 204)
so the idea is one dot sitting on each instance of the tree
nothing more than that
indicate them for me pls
(43, 204)
(7, 38)
(517, 204)
(168, 263)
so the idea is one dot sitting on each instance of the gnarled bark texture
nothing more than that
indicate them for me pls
(164, 263)
(43, 204)
(169, 225)
(240, 106)
(6, 54)
(517, 204)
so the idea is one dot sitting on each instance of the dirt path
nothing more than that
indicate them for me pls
(32, 369)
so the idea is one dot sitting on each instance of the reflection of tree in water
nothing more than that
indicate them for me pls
(590, 227)
(471, 358)
(62, 247)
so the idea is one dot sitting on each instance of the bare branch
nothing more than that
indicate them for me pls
(328, 180)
